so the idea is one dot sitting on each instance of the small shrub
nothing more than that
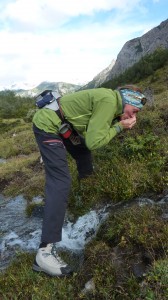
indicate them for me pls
(142, 226)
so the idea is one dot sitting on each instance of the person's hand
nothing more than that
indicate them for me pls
(128, 123)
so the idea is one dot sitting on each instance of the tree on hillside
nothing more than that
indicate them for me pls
(13, 106)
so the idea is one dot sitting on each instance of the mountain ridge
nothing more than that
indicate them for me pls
(61, 87)
(132, 51)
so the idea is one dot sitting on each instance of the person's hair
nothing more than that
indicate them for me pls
(135, 89)
(130, 87)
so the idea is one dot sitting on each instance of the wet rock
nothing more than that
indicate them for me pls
(89, 233)
(38, 211)
(145, 201)
(139, 270)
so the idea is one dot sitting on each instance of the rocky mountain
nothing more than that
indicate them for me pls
(132, 51)
(135, 49)
(61, 87)
(99, 78)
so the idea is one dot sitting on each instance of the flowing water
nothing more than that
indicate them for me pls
(18, 232)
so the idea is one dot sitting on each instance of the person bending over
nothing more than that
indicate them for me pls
(78, 123)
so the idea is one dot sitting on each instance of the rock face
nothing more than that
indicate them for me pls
(132, 52)
(135, 49)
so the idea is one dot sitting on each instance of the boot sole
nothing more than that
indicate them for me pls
(38, 269)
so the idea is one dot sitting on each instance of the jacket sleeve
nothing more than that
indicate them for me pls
(100, 129)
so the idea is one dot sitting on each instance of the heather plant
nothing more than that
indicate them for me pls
(140, 226)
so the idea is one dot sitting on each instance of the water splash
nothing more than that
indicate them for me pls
(19, 232)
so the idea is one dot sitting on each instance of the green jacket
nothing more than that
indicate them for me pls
(92, 113)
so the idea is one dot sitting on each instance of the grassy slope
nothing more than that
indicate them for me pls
(133, 164)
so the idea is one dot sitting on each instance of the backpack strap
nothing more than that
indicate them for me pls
(59, 112)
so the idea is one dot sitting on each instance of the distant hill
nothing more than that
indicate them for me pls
(61, 87)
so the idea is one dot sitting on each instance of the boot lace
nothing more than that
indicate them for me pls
(55, 254)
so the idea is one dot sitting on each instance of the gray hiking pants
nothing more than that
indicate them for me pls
(58, 180)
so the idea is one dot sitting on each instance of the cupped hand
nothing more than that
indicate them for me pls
(128, 123)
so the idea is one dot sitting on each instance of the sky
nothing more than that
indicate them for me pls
(69, 41)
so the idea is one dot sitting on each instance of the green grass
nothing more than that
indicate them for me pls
(20, 282)
(156, 282)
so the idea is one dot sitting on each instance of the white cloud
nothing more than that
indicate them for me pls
(61, 56)
(50, 13)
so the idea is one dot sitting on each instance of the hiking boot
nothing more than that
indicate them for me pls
(48, 261)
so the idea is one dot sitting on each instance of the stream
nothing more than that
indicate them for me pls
(18, 232)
